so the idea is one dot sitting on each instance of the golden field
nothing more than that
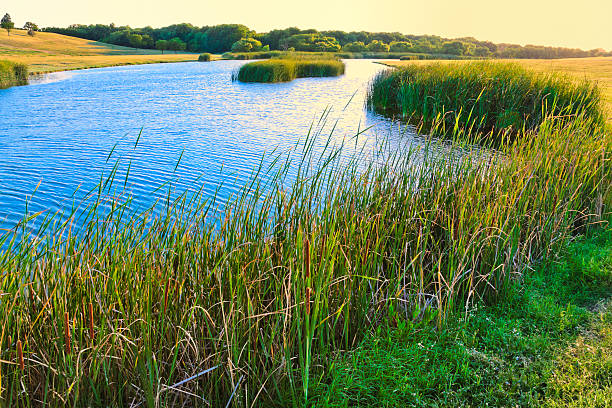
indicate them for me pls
(50, 52)
(598, 69)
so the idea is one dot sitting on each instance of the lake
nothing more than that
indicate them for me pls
(57, 133)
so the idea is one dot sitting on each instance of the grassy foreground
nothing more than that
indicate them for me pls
(166, 310)
(548, 343)
(50, 52)
(288, 69)
(597, 69)
(250, 306)
(12, 74)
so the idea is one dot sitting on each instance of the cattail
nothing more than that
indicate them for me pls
(307, 258)
(308, 292)
(20, 355)
(323, 242)
(166, 296)
(67, 333)
(91, 323)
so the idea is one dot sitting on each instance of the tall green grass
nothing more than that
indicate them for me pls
(288, 69)
(482, 96)
(246, 305)
(12, 74)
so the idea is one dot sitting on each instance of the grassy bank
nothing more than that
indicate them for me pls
(482, 96)
(598, 70)
(12, 74)
(288, 69)
(49, 52)
(169, 309)
(548, 343)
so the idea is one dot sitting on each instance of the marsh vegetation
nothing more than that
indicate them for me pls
(253, 303)
(12, 74)
(483, 96)
(288, 69)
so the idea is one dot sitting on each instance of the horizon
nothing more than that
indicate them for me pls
(590, 32)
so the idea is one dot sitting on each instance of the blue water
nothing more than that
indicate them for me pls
(57, 133)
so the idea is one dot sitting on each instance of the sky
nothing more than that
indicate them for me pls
(585, 24)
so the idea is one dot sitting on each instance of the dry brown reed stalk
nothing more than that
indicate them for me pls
(20, 355)
(67, 332)
(91, 323)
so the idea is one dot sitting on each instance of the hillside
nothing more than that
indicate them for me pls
(50, 52)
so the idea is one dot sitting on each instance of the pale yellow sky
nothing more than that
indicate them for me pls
(570, 23)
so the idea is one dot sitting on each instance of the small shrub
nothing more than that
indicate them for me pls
(12, 74)
(205, 57)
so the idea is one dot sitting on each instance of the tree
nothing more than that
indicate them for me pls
(310, 42)
(176, 44)
(161, 45)
(357, 46)
(246, 45)
(7, 23)
(31, 27)
(378, 46)
(400, 46)
(454, 48)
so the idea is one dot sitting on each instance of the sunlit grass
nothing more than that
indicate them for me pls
(50, 52)
(598, 70)
(288, 69)
(12, 74)
(482, 96)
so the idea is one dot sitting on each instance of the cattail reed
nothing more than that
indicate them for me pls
(67, 345)
(166, 295)
(20, 356)
(307, 300)
(307, 257)
(91, 323)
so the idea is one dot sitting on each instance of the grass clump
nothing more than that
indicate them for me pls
(205, 57)
(13, 74)
(288, 69)
(547, 344)
(482, 96)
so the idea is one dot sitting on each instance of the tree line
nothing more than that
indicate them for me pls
(239, 38)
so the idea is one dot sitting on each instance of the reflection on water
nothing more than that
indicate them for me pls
(57, 136)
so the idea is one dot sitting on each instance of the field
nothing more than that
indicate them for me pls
(49, 52)
(596, 69)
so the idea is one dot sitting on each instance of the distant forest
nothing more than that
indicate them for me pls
(239, 38)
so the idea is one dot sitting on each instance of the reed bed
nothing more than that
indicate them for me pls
(482, 96)
(184, 306)
(12, 74)
(288, 69)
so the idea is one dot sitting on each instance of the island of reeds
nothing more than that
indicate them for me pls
(482, 96)
(256, 304)
(12, 74)
(287, 69)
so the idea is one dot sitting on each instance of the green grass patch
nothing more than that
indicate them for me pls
(549, 343)
(12, 74)
(482, 96)
(284, 70)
